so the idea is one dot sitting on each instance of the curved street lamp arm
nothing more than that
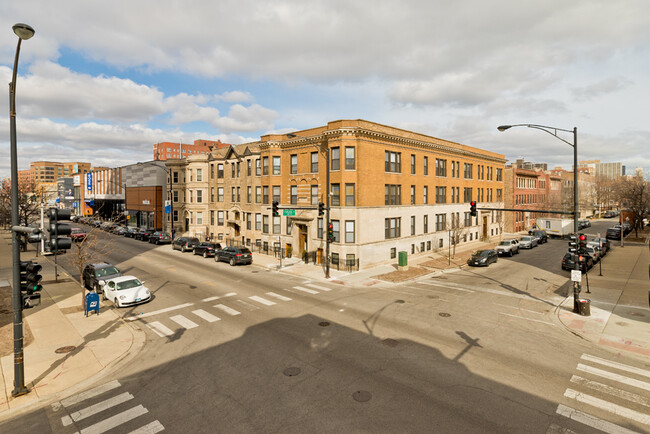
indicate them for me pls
(550, 130)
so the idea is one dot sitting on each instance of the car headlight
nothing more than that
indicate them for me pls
(484, 259)
(122, 297)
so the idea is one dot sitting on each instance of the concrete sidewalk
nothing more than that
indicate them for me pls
(68, 348)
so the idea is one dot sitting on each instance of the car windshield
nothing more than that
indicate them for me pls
(526, 238)
(504, 243)
(107, 271)
(128, 284)
(244, 251)
(480, 253)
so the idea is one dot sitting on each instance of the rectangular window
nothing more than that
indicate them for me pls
(499, 174)
(392, 228)
(412, 225)
(199, 175)
(199, 218)
(219, 218)
(425, 196)
(276, 193)
(350, 163)
(238, 194)
(468, 170)
(265, 166)
(441, 194)
(426, 224)
(276, 165)
(258, 167)
(211, 194)
(258, 194)
(393, 252)
(199, 196)
(175, 196)
(336, 194)
(289, 225)
(220, 171)
(392, 194)
(175, 215)
(314, 195)
(441, 167)
(349, 195)
(212, 218)
(248, 221)
(413, 195)
(468, 220)
(265, 194)
(175, 177)
(335, 158)
(249, 194)
(336, 230)
(467, 194)
(191, 196)
(294, 164)
(393, 162)
(277, 224)
(500, 195)
(238, 171)
(441, 222)
(191, 175)
(232, 194)
(249, 166)
(258, 222)
(294, 194)
(426, 166)
(349, 231)
(265, 224)
(320, 228)
(314, 162)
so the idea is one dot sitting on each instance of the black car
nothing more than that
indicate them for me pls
(569, 264)
(144, 235)
(185, 244)
(234, 255)
(483, 258)
(541, 236)
(131, 231)
(160, 238)
(613, 233)
(206, 249)
(93, 273)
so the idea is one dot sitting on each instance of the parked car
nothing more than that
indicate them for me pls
(125, 291)
(609, 214)
(93, 273)
(527, 242)
(206, 249)
(131, 231)
(583, 224)
(143, 235)
(185, 244)
(613, 233)
(483, 258)
(160, 238)
(568, 263)
(78, 234)
(540, 235)
(508, 247)
(234, 255)
(593, 251)
(119, 230)
(604, 244)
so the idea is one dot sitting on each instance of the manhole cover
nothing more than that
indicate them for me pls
(64, 350)
(399, 301)
(291, 371)
(390, 342)
(361, 396)
(323, 323)
(444, 314)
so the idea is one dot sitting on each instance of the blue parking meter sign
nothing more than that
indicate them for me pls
(92, 303)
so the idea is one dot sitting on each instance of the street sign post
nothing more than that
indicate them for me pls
(289, 212)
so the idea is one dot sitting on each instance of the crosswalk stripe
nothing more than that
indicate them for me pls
(150, 428)
(115, 421)
(205, 315)
(96, 408)
(72, 400)
(217, 297)
(444, 286)
(307, 290)
(322, 288)
(616, 377)
(183, 322)
(156, 312)
(262, 300)
(278, 296)
(160, 329)
(604, 388)
(246, 305)
(228, 310)
(620, 366)
(592, 421)
(608, 406)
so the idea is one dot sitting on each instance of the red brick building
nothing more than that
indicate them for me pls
(168, 150)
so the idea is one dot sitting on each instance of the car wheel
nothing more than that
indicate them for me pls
(216, 259)
(205, 254)
(116, 303)
(511, 253)
(232, 262)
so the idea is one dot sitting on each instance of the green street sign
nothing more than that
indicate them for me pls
(289, 212)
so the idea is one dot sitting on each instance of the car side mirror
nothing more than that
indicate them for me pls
(102, 282)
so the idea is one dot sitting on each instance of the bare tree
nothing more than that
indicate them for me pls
(634, 194)
(456, 230)
(603, 192)
(30, 195)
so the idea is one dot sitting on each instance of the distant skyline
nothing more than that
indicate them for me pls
(103, 82)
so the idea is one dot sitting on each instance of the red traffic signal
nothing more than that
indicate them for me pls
(472, 208)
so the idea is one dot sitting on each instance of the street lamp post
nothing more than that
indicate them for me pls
(23, 31)
(325, 154)
(554, 132)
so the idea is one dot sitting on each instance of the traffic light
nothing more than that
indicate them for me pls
(321, 208)
(275, 208)
(59, 229)
(573, 244)
(30, 283)
(330, 232)
(472, 208)
(582, 243)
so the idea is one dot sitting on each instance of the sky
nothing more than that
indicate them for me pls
(101, 82)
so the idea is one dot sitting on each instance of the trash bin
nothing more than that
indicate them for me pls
(402, 259)
(584, 307)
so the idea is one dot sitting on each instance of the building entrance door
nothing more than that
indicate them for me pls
(485, 227)
(302, 239)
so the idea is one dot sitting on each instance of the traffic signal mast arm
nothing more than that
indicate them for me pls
(543, 211)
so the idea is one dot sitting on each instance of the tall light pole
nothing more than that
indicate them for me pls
(23, 31)
(325, 154)
(554, 132)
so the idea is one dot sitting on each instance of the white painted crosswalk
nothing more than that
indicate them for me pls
(103, 406)
(608, 395)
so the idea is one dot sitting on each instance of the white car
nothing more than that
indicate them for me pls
(527, 242)
(508, 247)
(125, 291)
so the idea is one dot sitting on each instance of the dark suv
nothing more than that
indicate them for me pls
(541, 236)
(160, 238)
(93, 273)
(185, 244)
(234, 255)
(206, 249)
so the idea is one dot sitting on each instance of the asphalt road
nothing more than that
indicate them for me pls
(244, 349)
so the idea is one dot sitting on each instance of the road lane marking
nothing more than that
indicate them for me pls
(96, 408)
(262, 300)
(160, 329)
(115, 421)
(445, 286)
(307, 290)
(604, 388)
(322, 288)
(246, 305)
(278, 296)
(227, 309)
(616, 409)
(592, 421)
(72, 400)
(157, 312)
(183, 322)
(150, 428)
(217, 297)
(616, 377)
(527, 319)
(616, 365)
(206, 315)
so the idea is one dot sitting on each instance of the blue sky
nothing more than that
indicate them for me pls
(103, 81)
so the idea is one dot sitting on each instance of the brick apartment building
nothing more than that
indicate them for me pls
(168, 150)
